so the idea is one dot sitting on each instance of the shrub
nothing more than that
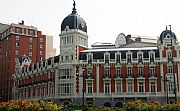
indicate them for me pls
(29, 105)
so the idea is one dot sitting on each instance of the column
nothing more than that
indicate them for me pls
(97, 78)
(178, 80)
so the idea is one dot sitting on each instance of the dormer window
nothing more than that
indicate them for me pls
(128, 58)
(107, 58)
(140, 57)
(117, 58)
(89, 58)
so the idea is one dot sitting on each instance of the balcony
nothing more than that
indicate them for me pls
(130, 75)
(118, 76)
(141, 76)
(107, 76)
(135, 94)
(152, 75)
(89, 76)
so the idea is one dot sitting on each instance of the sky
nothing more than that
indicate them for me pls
(105, 19)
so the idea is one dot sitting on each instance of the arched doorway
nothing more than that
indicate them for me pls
(107, 104)
(119, 104)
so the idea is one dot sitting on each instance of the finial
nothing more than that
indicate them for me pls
(166, 27)
(170, 27)
(74, 8)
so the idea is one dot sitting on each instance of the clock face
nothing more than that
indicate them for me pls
(121, 39)
(82, 25)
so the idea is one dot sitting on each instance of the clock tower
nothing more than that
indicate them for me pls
(73, 36)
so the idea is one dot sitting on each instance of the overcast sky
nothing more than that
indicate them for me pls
(105, 18)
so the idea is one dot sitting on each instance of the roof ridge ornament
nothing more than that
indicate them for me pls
(74, 8)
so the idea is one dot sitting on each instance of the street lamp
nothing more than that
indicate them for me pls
(83, 90)
(167, 89)
(172, 61)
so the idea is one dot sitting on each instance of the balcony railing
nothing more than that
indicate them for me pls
(106, 76)
(118, 76)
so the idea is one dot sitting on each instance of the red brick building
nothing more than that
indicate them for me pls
(132, 68)
(17, 40)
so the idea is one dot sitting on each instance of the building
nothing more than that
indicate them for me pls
(51, 52)
(17, 40)
(109, 74)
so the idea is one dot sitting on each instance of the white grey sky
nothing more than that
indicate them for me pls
(105, 18)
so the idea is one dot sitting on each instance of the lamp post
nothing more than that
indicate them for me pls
(172, 61)
(167, 89)
(83, 90)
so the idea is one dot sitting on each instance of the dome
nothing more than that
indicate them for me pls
(74, 21)
(24, 60)
(165, 33)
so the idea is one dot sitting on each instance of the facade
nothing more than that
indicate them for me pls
(17, 40)
(110, 74)
(51, 52)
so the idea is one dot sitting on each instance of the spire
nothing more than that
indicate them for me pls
(74, 8)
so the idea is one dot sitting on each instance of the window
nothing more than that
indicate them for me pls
(141, 87)
(89, 70)
(106, 72)
(152, 71)
(64, 88)
(30, 53)
(30, 39)
(118, 72)
(89, 59)
(89, 87)
(17, 52)
(169, 55)
(65, 73)
(18, 30)
(139, 56)
(118, 87)
(129, 87)
(140, 71)
(106, 58)
(41, 39)
(171, 84)
(153, 87)
(31, 32)
(17, 44)
(151, 56)
(40, 52)
(61, 58)
(170, 69)
(71, 57)
(41, 46)
(17, 37)
(129, 58)
(30, 46)
(129, 72)
(117, 58)
(67, 58)
(107, 88)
